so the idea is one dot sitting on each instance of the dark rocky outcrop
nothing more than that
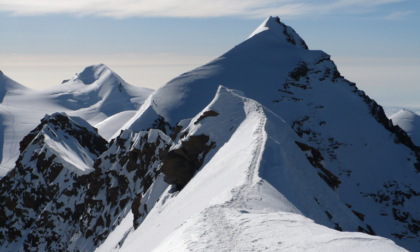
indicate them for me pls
(401, 137)
(127, 170)
(31, 206)
(206, 114)
(301, 70)
(288, 31)
(162, 125)
(180, 165)
(394, 195)
(54, 204)
(48, 206)
(60, 121)
(315, 157)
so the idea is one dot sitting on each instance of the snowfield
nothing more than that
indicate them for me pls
(266, 148)
(370, 165)
(226, 229)
(235, 202)
(95, 94)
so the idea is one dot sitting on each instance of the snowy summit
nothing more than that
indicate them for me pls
(281, 32)
(410, 122)
(266, 148)
(97, 94)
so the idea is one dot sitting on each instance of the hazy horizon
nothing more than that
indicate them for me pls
(374, 44)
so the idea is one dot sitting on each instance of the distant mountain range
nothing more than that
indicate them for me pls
(96, 94)
(266, 148)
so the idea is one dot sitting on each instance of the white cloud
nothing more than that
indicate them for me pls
(398, 15)
(186, 8)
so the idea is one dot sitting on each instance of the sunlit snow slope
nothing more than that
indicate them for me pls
(95, 94)
(253, 193)
(369, 164)
(266, 148)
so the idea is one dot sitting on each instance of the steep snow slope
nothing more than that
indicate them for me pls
(371, 165)
(408, 121)
(11, 131)
(234, 204)
(108, 127)
(9, 86)
(257, 67)
(287, 141)
(95, 94)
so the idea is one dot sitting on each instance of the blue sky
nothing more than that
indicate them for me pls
(374, 43)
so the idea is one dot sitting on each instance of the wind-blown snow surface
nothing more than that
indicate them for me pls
(265, 148)
(410, 122)
(251, 194)
(95, 94)
(369, 164)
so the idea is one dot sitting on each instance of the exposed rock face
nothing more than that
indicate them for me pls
(61, 208)
(324, 153)
(347, 133)
(206, 114)
(103, 103)
(180, 165)
(162, 125)
(394, 198)
(70, 188)
(61, 122)
(286, 33)
(315, 158)
(125, 172)
(31, 206)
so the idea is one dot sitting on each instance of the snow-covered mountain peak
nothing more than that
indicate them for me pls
(343, 133)
(1, 74)
(274, 27)
(55, 163)
(97, 87)
(92, 73)
(108, 97)
(63, 119)
(59, 125)
(66, 121)
(404, 113)
(95, 77)
(410, 122)
(260, 147)
(8, 85)
(99, 80)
